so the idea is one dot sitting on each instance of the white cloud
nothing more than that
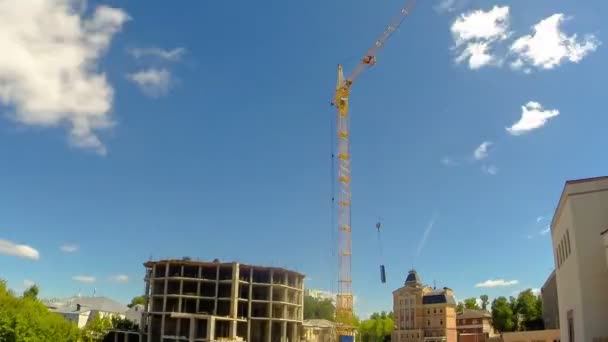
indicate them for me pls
(497, 283)
(28, 283)
(536, 291)
(445, 6)
(448, 161)
(173, 55)
(427, 231)
(548, 47)
(69, 248)
(22, 251)
(481, 152)
(533, 116)
(477, 55)
(545, 231)
(540, 218)
(84, 279)
(49, 66)
(490, 169)
(120, 278)
(153, 82)
(475, 32)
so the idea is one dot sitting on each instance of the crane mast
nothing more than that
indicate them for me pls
(344, 297)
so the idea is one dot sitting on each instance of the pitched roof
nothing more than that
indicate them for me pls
(474, 314)
(319, 323)
(438, 299)
(412, 278)
(104, 304)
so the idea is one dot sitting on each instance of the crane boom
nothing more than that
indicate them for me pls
(344, 297)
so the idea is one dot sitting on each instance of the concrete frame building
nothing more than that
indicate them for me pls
(580, 259)
(422, 313)
(210, 301)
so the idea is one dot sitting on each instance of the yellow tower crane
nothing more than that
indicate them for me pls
(344, 297)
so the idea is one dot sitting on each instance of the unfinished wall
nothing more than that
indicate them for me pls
(202, 301)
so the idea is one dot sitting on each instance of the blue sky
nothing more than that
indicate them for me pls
(135, 130)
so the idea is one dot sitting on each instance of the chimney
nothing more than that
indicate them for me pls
(77, 307)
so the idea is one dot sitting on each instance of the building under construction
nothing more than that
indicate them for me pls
(212, 301)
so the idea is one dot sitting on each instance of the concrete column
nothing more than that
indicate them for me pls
(217, 287)
(294, 332)
(210, 328)
(269, 328)
(191, 333)
(248, 337)
(283, 331)
(162, 321)
(198, 290)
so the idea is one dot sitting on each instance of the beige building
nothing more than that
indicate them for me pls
(581, 267)
(552, 335)
(474, 326)
(211, 301)
(550, 303)
(422, 313)
(318, 330)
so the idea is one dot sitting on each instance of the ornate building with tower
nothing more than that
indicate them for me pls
(422, 313)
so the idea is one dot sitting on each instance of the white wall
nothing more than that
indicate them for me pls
(582, 279)
(567, 276)
(591, 218)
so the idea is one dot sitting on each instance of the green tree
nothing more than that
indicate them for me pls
(460, 307)
(97, 328)
(120, 323)
(315, 308)
(377, 328)
(502, 315)
(31, 292)
(484, 301)
(471, 304)
(23, 319)
(137, 300)
(529, 308)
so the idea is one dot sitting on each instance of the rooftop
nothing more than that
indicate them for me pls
(474, 314)
(214, 263)
(103, 304)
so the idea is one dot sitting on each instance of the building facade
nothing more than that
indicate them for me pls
(209, 301)
(318, 330)
(422, 313)
(550, 303)
(581, 268)
(551, 335)
(474, 326)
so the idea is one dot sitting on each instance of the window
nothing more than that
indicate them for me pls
(568, 241)
(434, 311)
(428, 323)
(557, 257)
(428, 312)
(570, 326)
(440, 322)
(440, 310)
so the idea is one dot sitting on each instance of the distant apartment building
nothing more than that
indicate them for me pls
(474, 326)
(581, 268)
(81, 310)
(212, 301)
(422, 313)
(550, 303)
(320, 294)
